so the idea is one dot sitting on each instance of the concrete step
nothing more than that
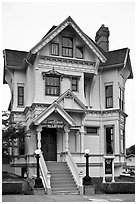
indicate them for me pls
(61, 178)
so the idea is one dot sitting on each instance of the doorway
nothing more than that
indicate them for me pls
(49, 144)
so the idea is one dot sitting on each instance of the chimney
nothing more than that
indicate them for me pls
(101, 38)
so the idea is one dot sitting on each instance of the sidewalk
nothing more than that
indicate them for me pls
(70, 198)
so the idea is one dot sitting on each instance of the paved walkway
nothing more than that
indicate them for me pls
(70, 198)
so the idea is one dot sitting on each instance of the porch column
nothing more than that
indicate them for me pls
(82, 133)
(39, 129)
(66, 129)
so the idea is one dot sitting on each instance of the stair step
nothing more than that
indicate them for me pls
(62, 181)
(65, 192)
(53, 181)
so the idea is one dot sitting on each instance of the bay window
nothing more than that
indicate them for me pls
(109, 96)
(109, 140)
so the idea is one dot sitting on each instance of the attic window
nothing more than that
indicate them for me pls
(55, 49)
(67, 47)
(79, 52)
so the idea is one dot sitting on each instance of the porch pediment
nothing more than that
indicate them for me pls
(69, 101)
(57, 108)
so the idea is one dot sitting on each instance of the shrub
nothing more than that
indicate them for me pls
(124, 187)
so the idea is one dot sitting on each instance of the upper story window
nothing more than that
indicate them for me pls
(109, 140)
(109, 96)
(74, 84)
(67, 47)
(52, 85)
(121, 99)
(55, 49)
(20, 93)
(79, 52)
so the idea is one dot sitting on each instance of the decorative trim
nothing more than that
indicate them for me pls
(54, 106)
(67, 60)
(59, 28)
(54, 72)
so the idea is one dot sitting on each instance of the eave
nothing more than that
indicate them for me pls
(62, 26)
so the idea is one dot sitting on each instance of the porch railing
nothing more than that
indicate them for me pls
(45, 175)
(78, 176)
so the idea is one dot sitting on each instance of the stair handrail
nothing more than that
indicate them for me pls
(44, 172)
(74, 170)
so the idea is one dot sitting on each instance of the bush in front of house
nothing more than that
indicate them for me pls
(11, 188)
(14, 184)
(123, 187)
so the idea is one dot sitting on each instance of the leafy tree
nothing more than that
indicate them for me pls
(10, 132)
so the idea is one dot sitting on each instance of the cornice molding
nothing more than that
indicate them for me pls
(67, 60)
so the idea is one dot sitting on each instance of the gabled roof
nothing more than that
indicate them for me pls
(56, 30)
(47, 112)
(117, 58)
(71, 94)
(14, 58)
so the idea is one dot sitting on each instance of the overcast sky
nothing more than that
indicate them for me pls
(24, 24)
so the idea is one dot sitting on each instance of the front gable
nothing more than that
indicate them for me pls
(70, 101)
(68, 23)
(55, 107)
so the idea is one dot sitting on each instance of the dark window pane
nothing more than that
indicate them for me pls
(74, 84)
(55, 49)
(109, 96)
(92, 130)
(52, 85)
(67, 42)
(79, 52)
(67, 47)
(20, 95)
(109, 140)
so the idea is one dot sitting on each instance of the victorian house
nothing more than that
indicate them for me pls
(68, 92)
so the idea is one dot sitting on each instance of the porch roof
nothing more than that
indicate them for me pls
(48, 111)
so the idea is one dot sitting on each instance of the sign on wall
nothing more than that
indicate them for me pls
(54, 124)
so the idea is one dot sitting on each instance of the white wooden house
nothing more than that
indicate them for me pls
(68, 91)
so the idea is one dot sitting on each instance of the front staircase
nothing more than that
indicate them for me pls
(62, 181)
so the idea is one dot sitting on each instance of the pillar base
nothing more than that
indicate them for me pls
(89, 190)
(39, 191)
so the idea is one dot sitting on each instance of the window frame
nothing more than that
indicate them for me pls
(93, 128)
(111, 140)
(52, 86)
(108, 98)
(68, 47)
(122, 141)
(20, 96)
(55, 43)
(76, 85)
(78, 46)
(121, 99)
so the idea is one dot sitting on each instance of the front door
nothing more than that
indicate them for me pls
(49, 144)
